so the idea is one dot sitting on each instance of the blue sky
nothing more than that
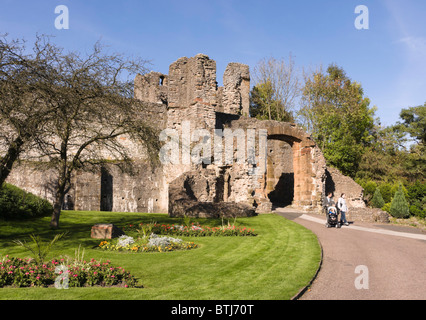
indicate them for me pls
(388, 59)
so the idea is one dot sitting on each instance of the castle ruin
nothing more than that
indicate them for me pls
(294, 171)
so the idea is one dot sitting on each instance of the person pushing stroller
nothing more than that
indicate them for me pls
(328, 202)
(331, 212)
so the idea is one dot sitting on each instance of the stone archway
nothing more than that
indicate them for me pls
(307, 160)
(303, 178)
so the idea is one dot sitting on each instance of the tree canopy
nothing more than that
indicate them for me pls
(336, 113)
(67, 111)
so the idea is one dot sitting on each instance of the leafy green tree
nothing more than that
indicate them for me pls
(264, 105)
(414, 124)
(399, 207)
(338, 116)
(383, 159)
(377, 200)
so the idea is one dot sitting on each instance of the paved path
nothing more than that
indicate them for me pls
(366, 261)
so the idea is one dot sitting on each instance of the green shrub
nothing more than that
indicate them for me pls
(416, 211)
(417, 198)
(377, 201)
(399, 207)
(16, 203)
(418, 208)
(395, 188)
(416, 191)
(386, 191)
(369, 188)
(386, 207)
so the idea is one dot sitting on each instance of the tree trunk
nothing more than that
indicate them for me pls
(9, 159)
(57, 206)
(54, 222)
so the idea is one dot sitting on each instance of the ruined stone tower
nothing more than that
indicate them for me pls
(191, 93)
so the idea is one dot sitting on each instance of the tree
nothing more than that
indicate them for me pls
(95, 109)
(336, 113)
(276, 89)
(377, 200)
(264, 105)
(23, 86)
(398, 151)
(384, 157)
(399, 207)
(92, 99)
(414, 123)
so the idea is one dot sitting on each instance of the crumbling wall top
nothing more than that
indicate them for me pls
(191, 91)
(151, 87)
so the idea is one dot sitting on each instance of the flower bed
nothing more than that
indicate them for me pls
(193, 230)
(26, 273)
(153, 243)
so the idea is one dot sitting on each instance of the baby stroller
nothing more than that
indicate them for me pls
(332, 218)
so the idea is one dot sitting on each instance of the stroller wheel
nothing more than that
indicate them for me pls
(327, 225)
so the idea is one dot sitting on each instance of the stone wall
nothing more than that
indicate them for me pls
(337, 184)
(367, 215)
(195, 194)
(32, 179)
(107, 189)
(151, 87)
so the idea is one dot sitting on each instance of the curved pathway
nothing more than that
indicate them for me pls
(366, 261)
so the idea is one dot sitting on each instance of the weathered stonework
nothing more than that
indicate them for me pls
(236, 89)
(294, 171)
(197, 194)
(337, 183)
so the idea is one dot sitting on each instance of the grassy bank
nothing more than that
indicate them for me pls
(276, 264)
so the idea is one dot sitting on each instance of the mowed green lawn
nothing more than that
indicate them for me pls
(276, 264)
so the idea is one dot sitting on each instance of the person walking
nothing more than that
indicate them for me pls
(343, 208)
(328, 202)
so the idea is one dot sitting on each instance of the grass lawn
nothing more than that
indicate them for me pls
(274, 265)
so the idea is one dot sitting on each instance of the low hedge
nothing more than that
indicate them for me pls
(16, 203)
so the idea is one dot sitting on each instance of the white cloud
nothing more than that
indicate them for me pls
(416, 45)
